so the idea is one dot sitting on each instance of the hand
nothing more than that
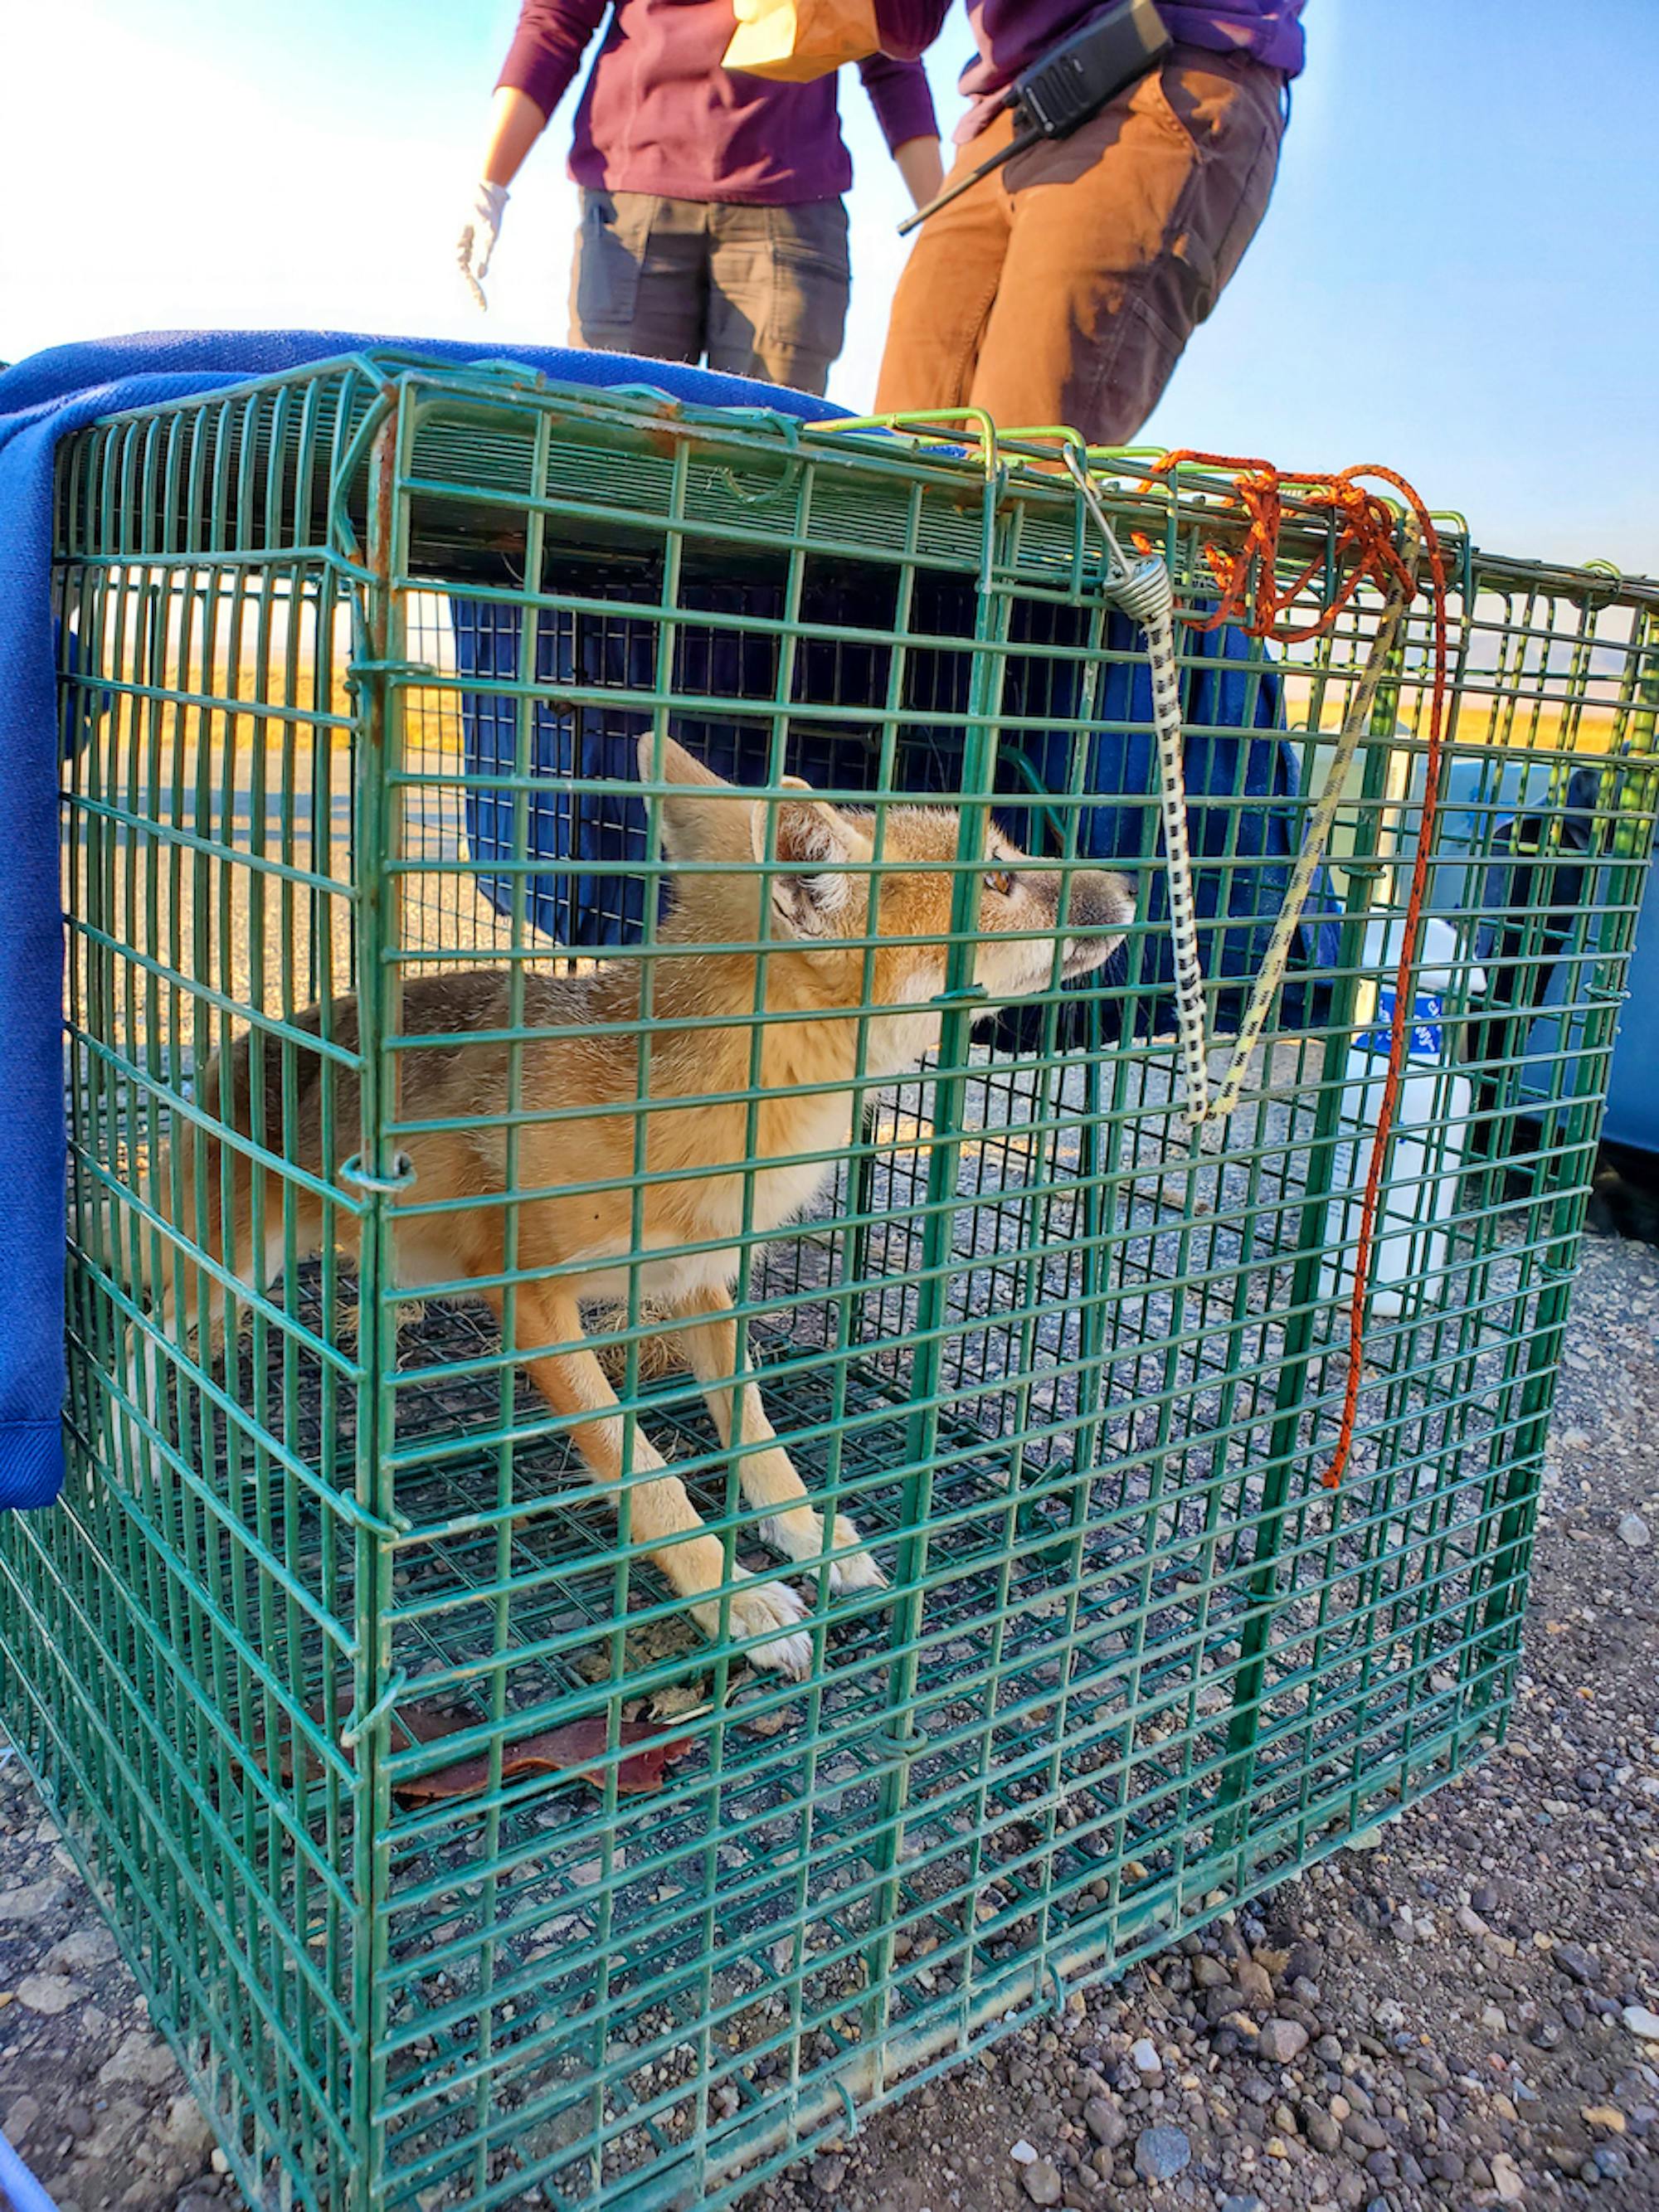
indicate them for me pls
(478, 235)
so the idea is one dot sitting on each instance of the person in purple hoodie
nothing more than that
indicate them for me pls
(711, 222)
(1063, 288)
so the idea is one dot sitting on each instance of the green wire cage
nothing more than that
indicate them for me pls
(460, 1863)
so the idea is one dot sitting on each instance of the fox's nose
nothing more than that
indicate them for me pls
(1094, 900)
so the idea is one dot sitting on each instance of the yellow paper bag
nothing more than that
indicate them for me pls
(797, 40)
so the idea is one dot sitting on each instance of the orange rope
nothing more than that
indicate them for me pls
(1250, 595)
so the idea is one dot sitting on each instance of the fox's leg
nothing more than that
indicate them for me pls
(573, 1382)
(704, 1321)
(186, 1303)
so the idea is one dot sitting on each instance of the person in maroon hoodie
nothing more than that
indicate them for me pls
(1064, 287)
(712, 224)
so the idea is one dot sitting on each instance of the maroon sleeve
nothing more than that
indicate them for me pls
(908, 27)
(548, 43)
(902, 98)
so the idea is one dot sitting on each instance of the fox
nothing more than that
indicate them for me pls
(845, 962)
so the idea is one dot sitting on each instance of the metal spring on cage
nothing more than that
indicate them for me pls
(1143, 589)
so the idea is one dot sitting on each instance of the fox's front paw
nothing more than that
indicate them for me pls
(799, 1536)
(858, 1570)
(770, 1610)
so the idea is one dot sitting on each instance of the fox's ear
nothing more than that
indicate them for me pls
(812, 844)
(703, 818)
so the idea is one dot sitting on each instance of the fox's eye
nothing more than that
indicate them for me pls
(1001, 882)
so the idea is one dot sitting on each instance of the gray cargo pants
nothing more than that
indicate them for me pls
(756, 291)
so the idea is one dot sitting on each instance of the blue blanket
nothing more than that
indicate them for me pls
(41, 400)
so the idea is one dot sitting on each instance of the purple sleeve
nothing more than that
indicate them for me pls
(908, 27)
(901, 96)
(548, 43)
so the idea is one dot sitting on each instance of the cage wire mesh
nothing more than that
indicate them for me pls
(461, 1864)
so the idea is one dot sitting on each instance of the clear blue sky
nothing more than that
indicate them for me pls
(1459, 274)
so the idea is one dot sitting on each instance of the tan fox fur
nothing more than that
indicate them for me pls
(810, 862)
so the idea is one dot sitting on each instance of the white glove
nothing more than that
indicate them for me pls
(479, 232)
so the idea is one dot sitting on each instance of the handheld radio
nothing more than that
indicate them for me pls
(1065, 86)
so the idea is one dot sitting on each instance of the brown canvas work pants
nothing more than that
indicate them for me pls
(756, 291)
(1063, 288)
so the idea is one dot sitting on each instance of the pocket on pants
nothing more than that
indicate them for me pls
(1227, 117)
(812, 280)
(1129, 377)
(610, 244)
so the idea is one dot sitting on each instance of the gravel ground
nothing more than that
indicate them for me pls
(1452, 2018)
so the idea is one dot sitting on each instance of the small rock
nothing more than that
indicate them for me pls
(86, 1947)
(1607, 2118)
(1043, 2182)
(1506, 2179)
(1575, 1960)
(1161, 2153)
(48, 1993)
(1321, 2130)
(1145, 2056)
(120, 2122)
(184, 2127)
(21, 2114)
(1641, 2023)
(30, 1899)
(828, 2175)
(142, 2058)
(1634, 1531)
(1255, 1985)
(1023, 2153)
(1105, 2123)
(1281, 2041)
(1242, 2204)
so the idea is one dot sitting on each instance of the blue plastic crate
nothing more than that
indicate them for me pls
(573, 745)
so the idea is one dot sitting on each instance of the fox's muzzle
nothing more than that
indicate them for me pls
(1102, 904)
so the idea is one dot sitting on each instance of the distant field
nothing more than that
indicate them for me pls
(294, 674)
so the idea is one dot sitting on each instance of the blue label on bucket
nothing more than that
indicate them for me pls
(1426, 1035)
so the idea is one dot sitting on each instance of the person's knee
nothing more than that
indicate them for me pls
(781, 278)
